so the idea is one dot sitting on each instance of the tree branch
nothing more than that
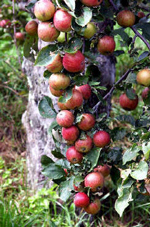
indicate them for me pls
(141, 37)
(113, 4)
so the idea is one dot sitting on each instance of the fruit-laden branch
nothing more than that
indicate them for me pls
(113, 4)
(124, 76)
(141, 37)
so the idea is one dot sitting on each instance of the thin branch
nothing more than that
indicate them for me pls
(4, 86)
(113, 4)
(141, 37)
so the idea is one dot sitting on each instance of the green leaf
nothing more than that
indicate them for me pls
(30, 43)
(47, 74)
(115, 155)
(131, 78)
(143, 55)
(123, 35)
(45, 160)
(93, 157)
(126, 118)
(146, 150)
(130, 93)
(46, 108)
(65, 189)
(73, 45)
(131, 154)
(53, 171)
(66, 96)
(57, 153)
(85, 18)
(70, 4)
(140, 172)
(119, 133)
(52, 126)
(63, 163)
(46, 55)
(31, 4)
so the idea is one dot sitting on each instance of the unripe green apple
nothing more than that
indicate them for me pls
(90, 30)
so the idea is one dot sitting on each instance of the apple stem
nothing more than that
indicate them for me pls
(141, 37)
(113, 4)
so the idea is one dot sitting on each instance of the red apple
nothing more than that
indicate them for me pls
(106, 45)
(73, 156)
(143, 77)
(85, 90)
(145, 93)
(71, 133)
(78, 188)
(128, 104)
(19, 36)
(87, 122)
(56, 93)
(141, 14)
(44, 10)
(94, 181)
(74, 62)
(62, 20)
(125, 18)
(47, 32)
(56, 65)
(101, 139)
(59, 81)
(31, 27)
(104, 170)
(65, 118)
(66, 171)
(75, 101)
(93, 207)
(84, 145)
(81, 200)
(91, 3)
(62, 106)
(5, 23)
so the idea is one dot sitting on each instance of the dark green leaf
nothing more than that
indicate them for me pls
(57, 153)
(143, 55)
(127, 118)
(85, 18)
(130, 93)
(53, 171)
(115, 154)
(52, 126)
(30, 4)
(46, 108)
(65, 189)
(115, 174)
(131, 78)
(93, 157)
(47, 74)
(118, 133)
(66, 96)
(73, 45)
(45, 160)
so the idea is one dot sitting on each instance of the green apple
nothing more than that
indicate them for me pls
(90, 30)
(61, 37)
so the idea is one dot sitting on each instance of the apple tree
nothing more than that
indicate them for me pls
(86, 132)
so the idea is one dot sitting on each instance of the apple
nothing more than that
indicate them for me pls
(141, 14)
(143, 77)
(47, 32)
(145, 93)
(90, 30)
(126, 103)
(85, 90)
(65, 118)
(104, 170)
(66, 171)
(5, 23)
(71, 133)
(62, 106)
(56, 65)
(59, 81)
(78, 188)
(87, 122)
(31, 27)
(94, 181)
(73, 156)
(19, 36)
(106, 45)
(44, 10)
(81, 200)
(74, 62)
(93, 207)
(125, 18)
(101, 138)
(75, 101)
(61, 37)
(62, 20)
(56, 93)
(84, 145)
(91, 3)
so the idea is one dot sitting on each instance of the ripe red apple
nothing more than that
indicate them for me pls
(81, 200)
(104, 170)
(65, 118)
(56, 93)
(84, 145)
(59, 81)
(141, 14)
(145, 93)
(90, 30)
(75, 101)
(56, 65)
(31, 27)
(85, 90)
(73, 156)
(74, 62)
(44, 10)
(125, 18)
(71, 133)
(62, 20)
(87, 122)
(5, 23)
(143, 77)
(101, 139)
(91, 3)
(19, 36)
(106, 45)
(93, 207)
(94, 180)
(128, 104)
(47, 32)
